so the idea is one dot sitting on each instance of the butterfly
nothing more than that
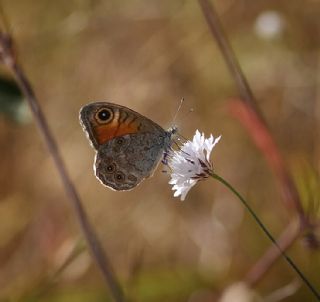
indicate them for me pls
(128, 145)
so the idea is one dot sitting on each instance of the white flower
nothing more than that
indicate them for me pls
(191, 163)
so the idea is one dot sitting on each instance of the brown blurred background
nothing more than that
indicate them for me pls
(147, 55)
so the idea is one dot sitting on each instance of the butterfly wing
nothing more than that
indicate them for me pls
(129, 146)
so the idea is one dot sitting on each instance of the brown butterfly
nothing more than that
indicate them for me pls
(128, 145)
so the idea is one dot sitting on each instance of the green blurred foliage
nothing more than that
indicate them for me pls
(147, 55)
(12, 103)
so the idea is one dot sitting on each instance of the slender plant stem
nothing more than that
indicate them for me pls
(266, 261)
(247, 96)
(267, 233)
(226, 50)
(274, 158)
(9, 59)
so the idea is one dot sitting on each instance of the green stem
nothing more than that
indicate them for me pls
(268, 234)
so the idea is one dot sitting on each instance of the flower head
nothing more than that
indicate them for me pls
(191, 163)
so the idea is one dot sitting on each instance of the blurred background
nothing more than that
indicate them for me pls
(147, 55)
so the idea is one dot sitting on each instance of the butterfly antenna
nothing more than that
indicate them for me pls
(177, 111)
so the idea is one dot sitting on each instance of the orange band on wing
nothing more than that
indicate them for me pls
(104, 133)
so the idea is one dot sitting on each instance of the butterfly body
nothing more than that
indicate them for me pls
(128, 145)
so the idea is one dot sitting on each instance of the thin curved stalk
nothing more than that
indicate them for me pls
(9, 59)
